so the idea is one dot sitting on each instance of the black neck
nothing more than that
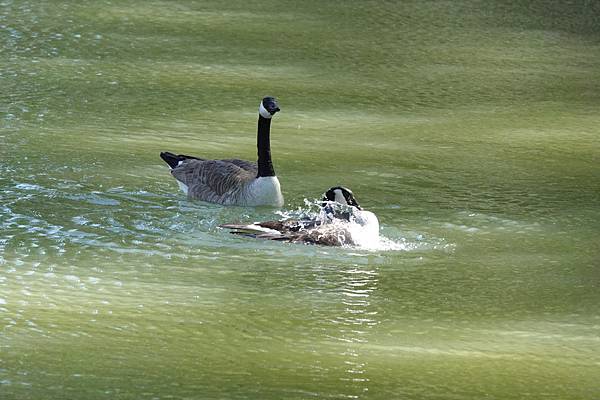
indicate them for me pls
(263, 142)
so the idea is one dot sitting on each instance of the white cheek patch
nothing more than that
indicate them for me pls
(263, 111)
(339, 197)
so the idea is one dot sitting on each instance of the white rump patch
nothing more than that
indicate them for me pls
(182, 185)
(259, 228)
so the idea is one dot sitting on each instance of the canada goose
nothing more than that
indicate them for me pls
(232, 181)
(341, 222)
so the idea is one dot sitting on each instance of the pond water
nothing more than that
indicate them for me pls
(470, 128)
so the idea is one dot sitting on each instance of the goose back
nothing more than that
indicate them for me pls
(215, 181)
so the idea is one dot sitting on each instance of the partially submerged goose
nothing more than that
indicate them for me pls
(232, 181)
(341, 222)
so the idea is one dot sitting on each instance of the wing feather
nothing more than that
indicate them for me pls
(218, 181)
(243, 164)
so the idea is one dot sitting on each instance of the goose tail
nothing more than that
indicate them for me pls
(175, 159)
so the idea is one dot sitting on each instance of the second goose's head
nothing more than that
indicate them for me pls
(268, 107)
(342, 195)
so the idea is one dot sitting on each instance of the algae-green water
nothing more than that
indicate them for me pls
(471, 128)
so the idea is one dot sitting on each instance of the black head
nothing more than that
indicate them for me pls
(268, 107)
(342, 195)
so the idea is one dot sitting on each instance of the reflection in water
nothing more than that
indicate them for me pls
(355, 322)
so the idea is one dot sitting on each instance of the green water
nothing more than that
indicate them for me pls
(471, 128)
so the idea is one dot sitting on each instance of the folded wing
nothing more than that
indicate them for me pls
(215, 181)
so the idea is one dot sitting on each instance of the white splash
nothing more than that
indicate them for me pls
(361, 226)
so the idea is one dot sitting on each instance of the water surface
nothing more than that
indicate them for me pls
(469, 128)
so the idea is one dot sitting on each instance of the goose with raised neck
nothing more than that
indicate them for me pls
(232, 181)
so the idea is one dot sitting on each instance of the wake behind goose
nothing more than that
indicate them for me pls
(232, 181)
